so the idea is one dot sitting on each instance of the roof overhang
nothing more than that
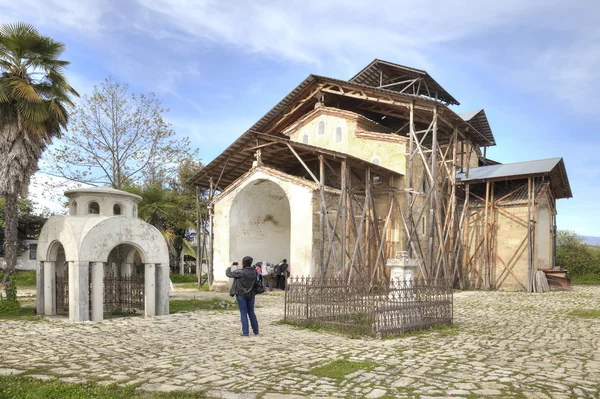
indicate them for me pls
(479, 121)
(276, 152)
(554, 168)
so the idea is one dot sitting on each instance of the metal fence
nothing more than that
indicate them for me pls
(62, 295)
(393, 308)
(121, 293)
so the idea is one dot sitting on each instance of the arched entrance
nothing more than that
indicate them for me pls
(123, 277)
(56, 279)
(259, 223)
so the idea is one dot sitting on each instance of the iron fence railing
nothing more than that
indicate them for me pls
(393, 308)
(121, 294)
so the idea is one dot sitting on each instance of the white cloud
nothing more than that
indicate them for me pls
(81, 15)
(349, 33)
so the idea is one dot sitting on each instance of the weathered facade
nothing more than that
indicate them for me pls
(341, 175)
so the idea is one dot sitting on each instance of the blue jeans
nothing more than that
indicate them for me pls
(247, 310)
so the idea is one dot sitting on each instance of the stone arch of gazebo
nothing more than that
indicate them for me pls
(82, 244)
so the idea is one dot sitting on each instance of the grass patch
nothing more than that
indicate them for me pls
(186, 278)
(350, 332)
(192, 305)
(586, 279)
(12, 310)
(339, 369)
(192, 286)
(22, 278)
(441, 330)
(586, 313)
(31, 388)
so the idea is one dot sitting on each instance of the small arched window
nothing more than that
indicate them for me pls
(305, 139)
(134, 211)
(117, 209)
(94, 208)
(74, 208)
(375, 161)
(321, 128)
(338, 134)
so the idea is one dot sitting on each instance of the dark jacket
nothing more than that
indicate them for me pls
(244, 281)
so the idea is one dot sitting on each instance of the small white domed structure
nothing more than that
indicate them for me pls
(100, 240)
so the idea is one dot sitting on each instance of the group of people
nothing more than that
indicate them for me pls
(245, 284)
(273, 276)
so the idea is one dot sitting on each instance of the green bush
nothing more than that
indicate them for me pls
(581, 260)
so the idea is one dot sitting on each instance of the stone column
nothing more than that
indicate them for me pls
(39, 285)
(162, 289)
(126, 269)
(49, 288)
(149, 289)
(97, 291)
(79, 294)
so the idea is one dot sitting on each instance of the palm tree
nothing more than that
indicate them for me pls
(34, 96)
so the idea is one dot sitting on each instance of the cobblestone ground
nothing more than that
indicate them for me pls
(506, 345)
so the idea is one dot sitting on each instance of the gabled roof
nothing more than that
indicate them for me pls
(237, 158)
(479, 121)
(384, 74)
(552, 167)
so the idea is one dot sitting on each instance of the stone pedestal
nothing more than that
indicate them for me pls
(401, 274)
(402, 267)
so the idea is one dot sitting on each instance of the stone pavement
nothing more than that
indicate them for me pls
(506, 345)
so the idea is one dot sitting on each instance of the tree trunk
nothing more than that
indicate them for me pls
(11, 212)
(20, 154)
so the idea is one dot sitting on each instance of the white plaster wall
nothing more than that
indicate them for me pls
(23, 261)
(259, 223)
(300, 257)
(543, 240)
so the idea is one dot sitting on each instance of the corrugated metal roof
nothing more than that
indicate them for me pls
(553, 167)
(479, 121)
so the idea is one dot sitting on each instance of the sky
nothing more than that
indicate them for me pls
(219, 66)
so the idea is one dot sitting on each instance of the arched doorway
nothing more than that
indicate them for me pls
(56, 279)
(259, 223)
(123, 280)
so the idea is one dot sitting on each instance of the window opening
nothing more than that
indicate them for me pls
(94, 208)
(338, 134)
(321, 128)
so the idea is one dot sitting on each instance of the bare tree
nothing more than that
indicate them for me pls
(117, 138)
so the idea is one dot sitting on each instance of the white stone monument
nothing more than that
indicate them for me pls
(101, 233)
(401, 273)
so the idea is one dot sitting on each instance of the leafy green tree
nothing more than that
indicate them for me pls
(581, 260)
(170, 206)
(119, 139)
(34, 97)
(29, 225)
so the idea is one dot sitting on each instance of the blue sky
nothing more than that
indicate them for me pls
(220, 65)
